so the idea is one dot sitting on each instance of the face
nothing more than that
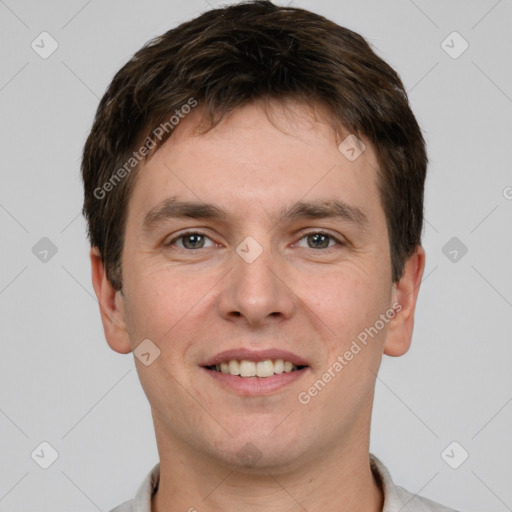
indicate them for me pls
(254, 276)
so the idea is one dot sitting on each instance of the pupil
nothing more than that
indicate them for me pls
(318, 236)
(194, 237)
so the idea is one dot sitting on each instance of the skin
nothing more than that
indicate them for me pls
(194, 303)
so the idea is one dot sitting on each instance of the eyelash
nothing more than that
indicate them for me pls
(303, 235)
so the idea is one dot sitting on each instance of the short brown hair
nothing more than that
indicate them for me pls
(228, 57)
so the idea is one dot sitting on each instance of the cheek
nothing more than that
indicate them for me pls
(167, 306)
(347, 301)
(155, 304)
(348, 304)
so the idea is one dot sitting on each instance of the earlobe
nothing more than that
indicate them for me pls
(405, 294)
(112, 307)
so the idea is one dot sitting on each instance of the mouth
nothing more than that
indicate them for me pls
(255, 369)
(250, 373)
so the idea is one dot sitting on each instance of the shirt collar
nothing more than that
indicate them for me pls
(393, 499)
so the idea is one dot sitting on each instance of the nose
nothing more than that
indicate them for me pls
(257, 291)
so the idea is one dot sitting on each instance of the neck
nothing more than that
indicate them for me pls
(339, 479)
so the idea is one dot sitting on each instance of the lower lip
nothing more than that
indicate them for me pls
(252, 386)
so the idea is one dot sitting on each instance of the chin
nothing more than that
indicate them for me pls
(258, 452)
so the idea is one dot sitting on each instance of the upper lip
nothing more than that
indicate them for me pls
(255, 355)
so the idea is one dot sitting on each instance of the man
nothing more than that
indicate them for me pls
(254, 196)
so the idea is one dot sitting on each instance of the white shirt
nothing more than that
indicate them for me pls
(396, 498)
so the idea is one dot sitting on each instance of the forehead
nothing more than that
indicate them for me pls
(255, 163)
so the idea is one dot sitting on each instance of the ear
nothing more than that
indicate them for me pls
(112, 306)
(405, 294)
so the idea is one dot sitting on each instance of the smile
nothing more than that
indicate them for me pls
(255, 369)
(250, 383)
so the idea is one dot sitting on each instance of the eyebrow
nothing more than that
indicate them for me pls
(172, 208)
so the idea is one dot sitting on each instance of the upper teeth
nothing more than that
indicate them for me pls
(265, 368)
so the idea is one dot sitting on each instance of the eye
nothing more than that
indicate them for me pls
(191, 240)
(320, 240)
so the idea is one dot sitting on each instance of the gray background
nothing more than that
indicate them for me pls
(60, 383)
